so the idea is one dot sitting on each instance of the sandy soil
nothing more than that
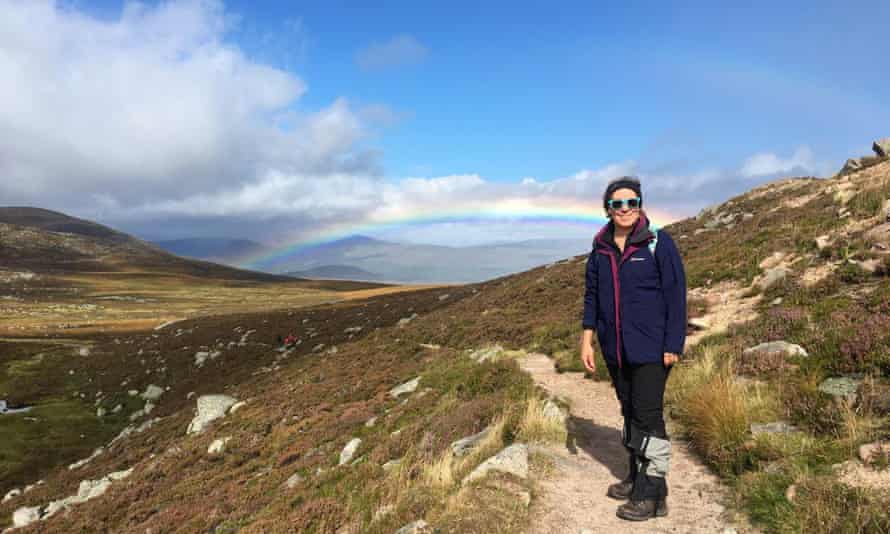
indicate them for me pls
(574, 499)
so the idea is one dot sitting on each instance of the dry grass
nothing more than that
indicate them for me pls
(535, 426)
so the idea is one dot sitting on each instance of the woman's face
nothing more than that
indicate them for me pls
(624, 217)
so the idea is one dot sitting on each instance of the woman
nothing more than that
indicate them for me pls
(635, 299)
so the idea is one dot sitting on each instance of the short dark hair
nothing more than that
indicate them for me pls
(622, 182)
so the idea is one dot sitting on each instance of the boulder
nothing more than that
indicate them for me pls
(772, 277)
(463, 446)
(879, 234)
(152, 392)
(485, 354)
(882, 147)
(210, 408)
(293, 480)
(218, 446)
(874, 452)
(553, 411)
(25, 516)
(776, 427)
(841, 387)
(512, 459)
(777, 347)
(414, 527)
(851, 165)
(349, 450)
(392, 465)
(11, 494)
(407, 387)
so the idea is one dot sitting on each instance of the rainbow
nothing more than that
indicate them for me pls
(561, 212)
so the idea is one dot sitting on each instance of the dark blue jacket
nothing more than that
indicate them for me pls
(634, 301)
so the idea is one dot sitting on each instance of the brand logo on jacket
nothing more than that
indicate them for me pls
(638, 259)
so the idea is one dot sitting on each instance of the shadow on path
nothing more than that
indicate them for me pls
(602, 443)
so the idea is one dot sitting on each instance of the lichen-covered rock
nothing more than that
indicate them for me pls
(512, 459)
(152, 393)
(851, 165)
(463, 446)
(776, 427)
(407, 387)
(25, 516)
(415, 527)
(777, 347)
(210, 408)
(219, 445)
(842, 387)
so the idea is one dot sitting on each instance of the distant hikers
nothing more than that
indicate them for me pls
(635, 300)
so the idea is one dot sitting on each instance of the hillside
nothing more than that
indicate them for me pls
(802, 261)
(44, 241)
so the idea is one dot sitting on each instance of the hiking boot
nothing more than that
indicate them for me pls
(642, 510)
(621, 490)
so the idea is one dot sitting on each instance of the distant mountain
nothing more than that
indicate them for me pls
(219, 249)
(41, 240)
(414, 263)
(337, 272)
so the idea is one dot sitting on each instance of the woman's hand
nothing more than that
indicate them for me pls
(587, 356)
(670, 359)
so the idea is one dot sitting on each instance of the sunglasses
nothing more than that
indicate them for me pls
(632, 203)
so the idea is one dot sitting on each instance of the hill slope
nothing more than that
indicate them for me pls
(805, 258)
(45, 241)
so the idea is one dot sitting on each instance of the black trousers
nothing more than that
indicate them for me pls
(640, 390)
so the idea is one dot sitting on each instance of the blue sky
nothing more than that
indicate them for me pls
(689, 95)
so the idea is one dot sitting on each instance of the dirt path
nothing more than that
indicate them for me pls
(574, 500)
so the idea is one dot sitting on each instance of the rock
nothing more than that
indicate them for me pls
(88, 489)
(383, 511)
(152, 392)
(484, 354)
(553, 411)
(431, 346)
(25, 516)
(700, 231)
(791, 492)
(100, 412)
(391, 465)
(873, 452)
(318, 347)
(80, 463)
(370, 422)
(11, 494)
(771, 277)
(879, 235)
(405, 320)
(415, 527)
(699, 323)
(772, 260)
(293, 480)
(444, 296)
(851, 165)
(777, 347)
(513, 460)
(218, 446)
(352, 330)
(823, 241)
(463, 446)
(237, 406)
(349, 450)
(842, 387)
(747, 215)
(202, 357)
(407, 387)
(776, 427)
(881, 147)
(210, 408)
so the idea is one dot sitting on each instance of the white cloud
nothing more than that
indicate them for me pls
(400, 50)
(767, 163)
(153, 109)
